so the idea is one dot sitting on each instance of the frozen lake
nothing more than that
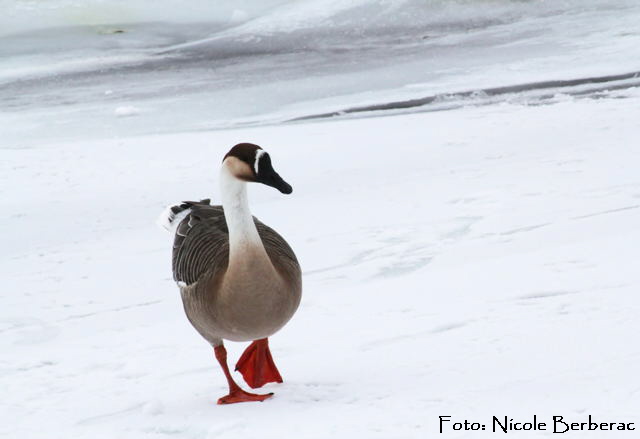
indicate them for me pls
(254, 65)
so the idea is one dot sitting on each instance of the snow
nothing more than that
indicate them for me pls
(126, 111)
(473, 272)
(475, 262)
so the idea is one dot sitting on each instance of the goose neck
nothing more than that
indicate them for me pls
(242, 230)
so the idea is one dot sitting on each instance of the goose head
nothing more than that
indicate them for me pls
(251, 163)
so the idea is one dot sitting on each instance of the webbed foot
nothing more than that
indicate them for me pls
(239, 395)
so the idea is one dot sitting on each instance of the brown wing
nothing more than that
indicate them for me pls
(201, 243)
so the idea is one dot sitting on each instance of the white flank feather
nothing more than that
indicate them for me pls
(169, 220)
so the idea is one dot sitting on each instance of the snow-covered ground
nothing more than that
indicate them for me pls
(476, 262)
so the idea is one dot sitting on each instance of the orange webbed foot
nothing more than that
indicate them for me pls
(256, 365)
(239, 395)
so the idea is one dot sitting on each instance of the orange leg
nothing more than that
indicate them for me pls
(256, 365)
(236, 394)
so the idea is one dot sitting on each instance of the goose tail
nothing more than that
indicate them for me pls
(173, 214)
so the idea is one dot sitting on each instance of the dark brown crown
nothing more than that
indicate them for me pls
(245, 152)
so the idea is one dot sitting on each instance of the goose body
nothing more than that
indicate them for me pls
(249, 300)
(239, 279)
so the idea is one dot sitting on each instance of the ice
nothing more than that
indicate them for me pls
(288, 60)
(126, 111)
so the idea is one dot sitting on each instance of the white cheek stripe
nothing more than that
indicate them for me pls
(258, 155)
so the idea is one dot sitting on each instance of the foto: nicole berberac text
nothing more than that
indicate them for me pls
(555, 424)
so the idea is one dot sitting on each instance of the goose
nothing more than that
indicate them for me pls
(238, 278)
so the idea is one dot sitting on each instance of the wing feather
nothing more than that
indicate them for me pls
(201, 243)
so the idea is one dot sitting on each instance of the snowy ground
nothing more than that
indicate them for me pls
(490, 270)
(474, 262)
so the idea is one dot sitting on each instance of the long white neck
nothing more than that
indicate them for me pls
(243, 235)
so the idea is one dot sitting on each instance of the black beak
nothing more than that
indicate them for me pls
(274, 180)
(267, 175)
